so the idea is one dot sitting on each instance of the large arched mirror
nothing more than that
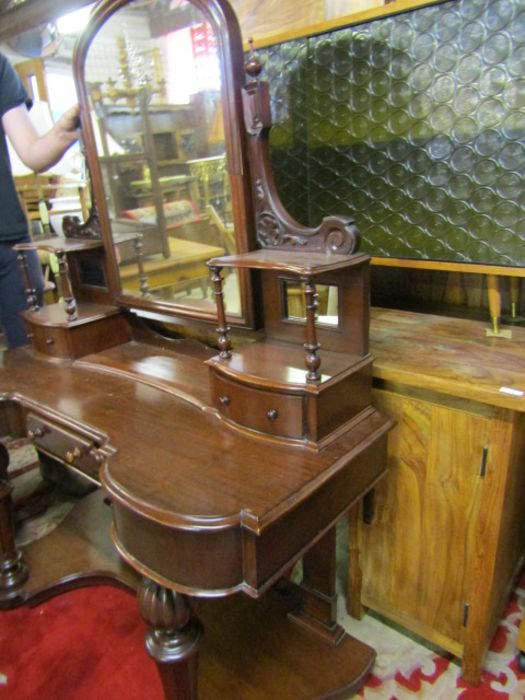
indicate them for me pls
(159, 85)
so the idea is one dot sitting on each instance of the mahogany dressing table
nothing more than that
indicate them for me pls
(215, 468)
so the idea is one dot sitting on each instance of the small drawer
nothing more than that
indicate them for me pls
(50, 341)
(70, 448)
(266, 411)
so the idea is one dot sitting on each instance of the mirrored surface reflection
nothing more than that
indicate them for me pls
(154, 81)
(327, 313)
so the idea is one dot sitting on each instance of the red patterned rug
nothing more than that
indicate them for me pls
(89, 643)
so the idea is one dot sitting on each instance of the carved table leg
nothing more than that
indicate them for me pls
(173, 639)
(317, 610)
(13, 571)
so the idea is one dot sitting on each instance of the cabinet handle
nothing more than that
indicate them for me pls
(224, 400)
(272, 414)
(50, 341)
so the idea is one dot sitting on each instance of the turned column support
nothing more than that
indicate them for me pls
(70, 303)
(139, 252)
(13, 570)
(313, 361)
(223, 329)
(173, 638)
(31, 296)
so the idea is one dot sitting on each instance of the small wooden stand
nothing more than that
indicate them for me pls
(66, 329)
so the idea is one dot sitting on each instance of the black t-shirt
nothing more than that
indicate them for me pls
(13, 223)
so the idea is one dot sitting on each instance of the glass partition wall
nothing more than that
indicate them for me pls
(415, 124)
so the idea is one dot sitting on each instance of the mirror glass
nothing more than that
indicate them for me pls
(327, 303)
(154, 81)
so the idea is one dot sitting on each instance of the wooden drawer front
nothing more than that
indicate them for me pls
(50, 341)
(269, 412)
(70, 448)
(81, 339)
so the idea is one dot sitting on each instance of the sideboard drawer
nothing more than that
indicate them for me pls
(70, 448)
(267, 411)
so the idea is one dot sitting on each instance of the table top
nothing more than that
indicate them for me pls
(59, 244)
(294, 262)
(182, 252)
(175, 428)
(452, 356)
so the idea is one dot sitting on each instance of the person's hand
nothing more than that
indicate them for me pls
(40, 152)
(66, 127)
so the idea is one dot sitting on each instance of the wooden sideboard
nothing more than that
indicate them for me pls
(439, 548)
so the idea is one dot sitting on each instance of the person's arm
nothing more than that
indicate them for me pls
(40, 152)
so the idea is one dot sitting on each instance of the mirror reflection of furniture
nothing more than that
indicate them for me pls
(34, 192)
(161, 129)
(45, 198)
(225, 231)
(184, 270)
(223, 469)
(327, 303)
(212, 179)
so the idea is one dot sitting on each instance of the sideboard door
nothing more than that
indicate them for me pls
(415, 552)
(439, 551)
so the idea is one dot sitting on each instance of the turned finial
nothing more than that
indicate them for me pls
(253, 65)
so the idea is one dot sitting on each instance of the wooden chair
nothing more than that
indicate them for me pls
(49, 264)
(43, 196)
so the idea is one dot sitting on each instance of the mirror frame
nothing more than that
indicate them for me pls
(224, 22)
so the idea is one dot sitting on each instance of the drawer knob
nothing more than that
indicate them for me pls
(73, 454)
(36, 433)
(224, 400)
(50, 341)
(272, 414)
(97, 455)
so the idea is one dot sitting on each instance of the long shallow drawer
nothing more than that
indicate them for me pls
(266, 411)
(71, 448)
